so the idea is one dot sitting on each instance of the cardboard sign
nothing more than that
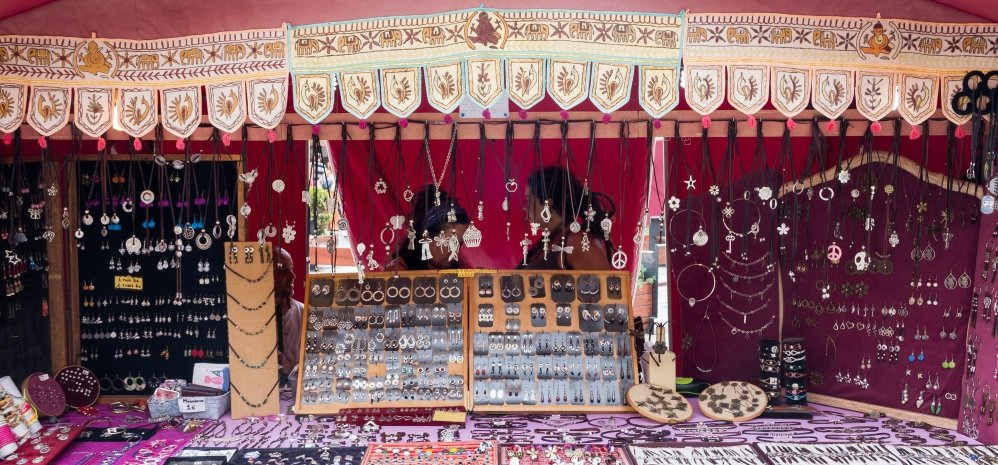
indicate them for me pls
(191, 404)
(129, 283)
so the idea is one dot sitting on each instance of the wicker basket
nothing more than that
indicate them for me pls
(159, 408)
(214, 407)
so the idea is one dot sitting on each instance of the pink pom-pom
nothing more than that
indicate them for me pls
(403, 123)
(959, 132)
(791, 124)
(448, 119)
(362, 124)
(101, 143)
(751, 121)
(522, 113)
(8, 138)
(564, 114)
(315, 129)
(486, 114)
(137, 143)
(705, 122)
(226, 139)
(180, 144)
(271, 136)
(43, 142)
(831, 126)
(657, 124)
(606, 118)
(875, 127)
(915, 133)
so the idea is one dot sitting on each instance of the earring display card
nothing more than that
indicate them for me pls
(391, 340)
(253, 358)
(151, 277)
(670, 454)
(551, 341)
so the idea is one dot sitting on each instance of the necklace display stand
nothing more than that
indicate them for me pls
(253, 360)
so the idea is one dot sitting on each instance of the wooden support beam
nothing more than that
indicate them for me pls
(772, 122)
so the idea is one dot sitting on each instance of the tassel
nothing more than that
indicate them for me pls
(101, 143)
(315, 129)
(606, 118)
(751, 121)
(486, 114)
(362, 124)
(403, 123)
(43, 142)
(831, 126)
(915, 133)
(8, 138)
(271, 136)
(657, 124)
(705, 121)
(875, 127)
(137, 144)
(180, 144)
(791, 124)
(959, 132)
(226, 139)
(522, 113)
(448, 119)
(564, 114)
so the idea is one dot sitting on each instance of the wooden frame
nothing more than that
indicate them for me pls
(500, 322)
(454, 369)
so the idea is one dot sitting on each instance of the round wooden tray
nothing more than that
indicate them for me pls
(733, 401)
(659, 404)
(43, 393)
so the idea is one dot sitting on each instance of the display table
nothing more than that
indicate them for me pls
(831, 425)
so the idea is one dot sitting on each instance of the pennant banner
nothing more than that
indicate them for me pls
(704, 87)
(227, 105)
(88, 67)
(12, 103)
(92, 115)
(884, 56)
(401, 92)
(268, 100)
(314, 96)
(48, 111)
(482, 53)
(181, 110)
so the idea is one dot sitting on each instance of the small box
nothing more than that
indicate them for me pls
(214, 375)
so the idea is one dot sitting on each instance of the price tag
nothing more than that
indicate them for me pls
(191, 404)
(130, 283)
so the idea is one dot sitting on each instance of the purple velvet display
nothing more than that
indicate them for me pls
(834, 351)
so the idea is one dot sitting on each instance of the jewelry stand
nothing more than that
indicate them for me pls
(661, 364)
(253, 360)
(551, 341)
(393, 340)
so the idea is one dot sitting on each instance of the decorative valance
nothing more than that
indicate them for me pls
(793, 60)
(140, 83)
(483, 54)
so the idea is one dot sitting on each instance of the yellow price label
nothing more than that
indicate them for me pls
(129, 283)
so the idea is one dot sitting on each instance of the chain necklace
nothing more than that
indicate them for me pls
(253, 365)
(429, 159)
(696, 363)
(745, 315)
(253, 333)
(249, 280)
(252, 404)
(737, 277)
(748, 332)
(251, 309)
(747, 296)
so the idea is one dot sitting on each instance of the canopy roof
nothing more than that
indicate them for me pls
(152, 19)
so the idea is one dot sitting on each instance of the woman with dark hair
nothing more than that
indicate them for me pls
(435, 233)
(569, 219)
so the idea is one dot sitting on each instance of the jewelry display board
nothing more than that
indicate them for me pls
(551, 341)
(24, 204)
(393, 340)
(882, 303)
(152, 290)
(689, 454)
(253, 361)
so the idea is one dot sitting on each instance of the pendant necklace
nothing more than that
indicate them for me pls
(619, 258)
(288, 232)
(713, 337)
(576, 208)
(511, 185)
(472, 236)
(545, 215)
(643, 220)
(429, 159)
(132, 245)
